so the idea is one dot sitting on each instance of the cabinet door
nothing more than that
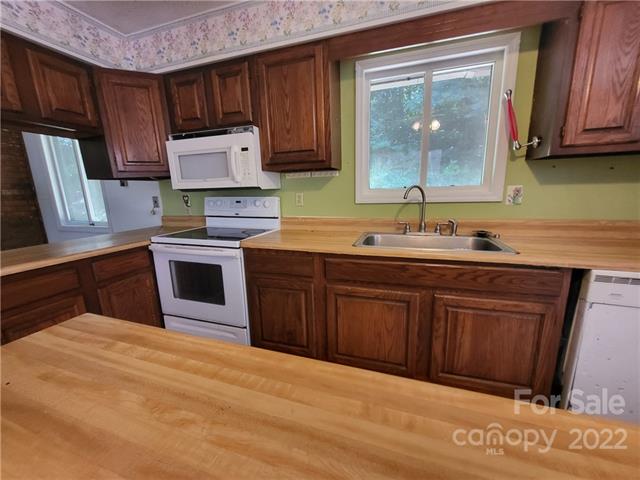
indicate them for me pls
(604, 101)
(62, 88)
(292, 85)
(374, 328)
(135, 122)
(10, 96)
(282, 314)
(231, 94)
(133, 298)
(188, 101)
(493, 345)
(52, 312)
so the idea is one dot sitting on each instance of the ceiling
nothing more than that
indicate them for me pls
(133, 17)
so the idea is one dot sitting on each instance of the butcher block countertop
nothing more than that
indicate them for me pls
(95, 397)
(604, 245)
(48, 254)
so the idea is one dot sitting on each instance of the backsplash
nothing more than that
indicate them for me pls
(581, 188)
(232, 31)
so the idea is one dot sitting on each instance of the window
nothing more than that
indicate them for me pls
(79, 202)
(434, 117)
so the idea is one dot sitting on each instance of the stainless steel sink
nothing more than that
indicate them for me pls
(432, 242)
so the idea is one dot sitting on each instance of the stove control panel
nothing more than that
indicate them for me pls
(261, 207)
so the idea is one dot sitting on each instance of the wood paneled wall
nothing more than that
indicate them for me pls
(20, 218)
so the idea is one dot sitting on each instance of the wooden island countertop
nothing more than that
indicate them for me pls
(95, 397)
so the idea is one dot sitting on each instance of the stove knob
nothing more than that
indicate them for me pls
(256, 203)
(266, 204)
(218, 203)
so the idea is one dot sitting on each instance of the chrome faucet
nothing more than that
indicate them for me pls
(422, 226)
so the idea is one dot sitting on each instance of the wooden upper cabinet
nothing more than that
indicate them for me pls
(10, 95)
(494, 345)
(62, 89)
(604, 102)
(231, 94)
(586, 98)
(299, 114)
(188, 100)
(135, 123)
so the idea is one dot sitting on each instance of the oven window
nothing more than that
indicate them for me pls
(210, 165)
(198, 282)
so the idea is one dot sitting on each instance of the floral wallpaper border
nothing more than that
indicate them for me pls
(249, 27)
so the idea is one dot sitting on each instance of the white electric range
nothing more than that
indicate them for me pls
(200, 271)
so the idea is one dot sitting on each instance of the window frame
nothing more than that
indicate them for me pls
(504, 49)
(63, 219)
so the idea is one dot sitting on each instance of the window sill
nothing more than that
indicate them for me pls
(84, 229)
(396, 196)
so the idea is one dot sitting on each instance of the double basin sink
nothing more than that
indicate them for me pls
(433, 242)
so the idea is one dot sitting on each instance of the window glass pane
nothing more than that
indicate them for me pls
(458, 126)
(65, 158)
(395, 139)
(198, 282)
(99, 212)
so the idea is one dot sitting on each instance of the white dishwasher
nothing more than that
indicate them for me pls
(603, 354)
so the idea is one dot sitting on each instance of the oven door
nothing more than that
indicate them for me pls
(204, 163)
(204, 283)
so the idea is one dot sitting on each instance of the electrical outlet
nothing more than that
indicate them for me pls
(515, 195)
(299, 199)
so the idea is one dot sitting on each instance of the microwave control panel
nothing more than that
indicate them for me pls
(248, 171)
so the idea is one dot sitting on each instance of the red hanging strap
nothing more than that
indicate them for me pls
(511, 115)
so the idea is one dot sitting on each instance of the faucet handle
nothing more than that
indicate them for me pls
(406, 227)
(453, 224)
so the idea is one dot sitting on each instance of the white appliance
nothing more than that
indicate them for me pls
(604, 344)
(200, 271)
(223, 158)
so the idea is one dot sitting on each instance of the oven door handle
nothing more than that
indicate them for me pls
(200, 251)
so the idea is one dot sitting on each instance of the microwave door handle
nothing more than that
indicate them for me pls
(235, 164)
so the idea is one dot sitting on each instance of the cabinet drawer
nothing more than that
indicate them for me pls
(279, 263)
(486, 278)
(23, 291)
(117, 265)
(18, 325)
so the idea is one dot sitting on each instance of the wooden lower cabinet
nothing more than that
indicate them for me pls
(121, 285)
(493, 344)
(481, 327)
(374, 327)
(283, 315)
(132, 298)
(31, 320)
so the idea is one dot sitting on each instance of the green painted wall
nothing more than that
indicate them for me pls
(581, 188)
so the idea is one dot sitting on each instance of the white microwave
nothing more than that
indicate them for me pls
(223, 158)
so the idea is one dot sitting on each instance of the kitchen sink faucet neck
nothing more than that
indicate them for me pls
(422, 226)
